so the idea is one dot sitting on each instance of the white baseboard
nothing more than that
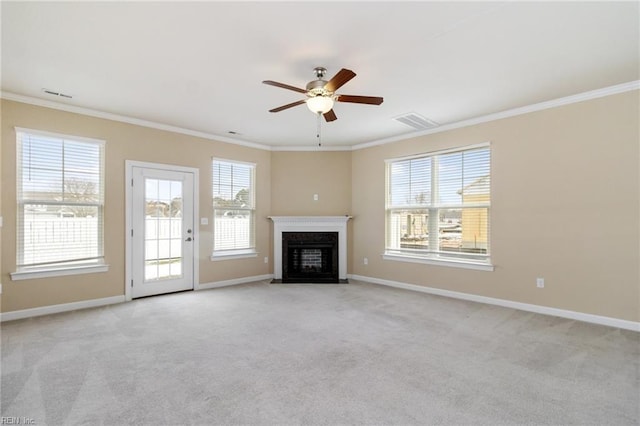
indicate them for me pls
(64, 307)
(579, 316)
(236, 281)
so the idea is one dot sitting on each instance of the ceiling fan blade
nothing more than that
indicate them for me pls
(339, 79)
(291, 105)
(371, 100)
(330, 116)
(284, 86)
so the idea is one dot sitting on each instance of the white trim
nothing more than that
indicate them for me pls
(229, 255)
(580, 97)
(59, 136)
(226, 160)
(58, 272)
(128, 226)
(161, 166)
(593, 94)
(64, 307)
(310, 224)
(235, 281)
(452, 263)
(312, 148)
(440, 152)
(544, 310)
(129, 165)
(124, 119)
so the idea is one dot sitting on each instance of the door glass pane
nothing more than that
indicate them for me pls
(163, 229)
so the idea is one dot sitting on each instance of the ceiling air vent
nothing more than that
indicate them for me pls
(59, 94)
(416, 121)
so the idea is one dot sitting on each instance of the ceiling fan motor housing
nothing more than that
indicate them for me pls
(316, 88)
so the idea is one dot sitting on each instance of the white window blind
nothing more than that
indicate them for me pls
(438, 205)
(60, 195)
(233, 206)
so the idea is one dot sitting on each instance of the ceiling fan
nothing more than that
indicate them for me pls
(321, 94)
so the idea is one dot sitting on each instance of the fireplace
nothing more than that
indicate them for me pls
(320, 249)
(310, 257)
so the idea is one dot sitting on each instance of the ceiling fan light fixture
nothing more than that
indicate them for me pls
(320, 104)
(321, 94)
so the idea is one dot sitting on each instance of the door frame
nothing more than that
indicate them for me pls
(129, 165)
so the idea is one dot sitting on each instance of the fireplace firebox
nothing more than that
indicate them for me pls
(306, 225)
(310, 257)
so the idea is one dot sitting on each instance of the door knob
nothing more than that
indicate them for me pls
(188, 239)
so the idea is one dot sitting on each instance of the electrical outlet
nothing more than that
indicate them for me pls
(540, 282)
(366, 261)
(266, 259)
(315, 197)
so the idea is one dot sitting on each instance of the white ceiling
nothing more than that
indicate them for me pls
(199, 66)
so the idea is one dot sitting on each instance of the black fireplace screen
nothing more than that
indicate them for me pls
(310, 257)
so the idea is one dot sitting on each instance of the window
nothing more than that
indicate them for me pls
(233, 208)
(438, 206)
(60, 195)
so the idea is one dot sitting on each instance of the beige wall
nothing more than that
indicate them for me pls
(565, 206)
(123, 142)
(2, 277)
(297, 176)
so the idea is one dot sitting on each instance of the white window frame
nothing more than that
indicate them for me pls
(245, 252)
(435, 257)
(68, 267)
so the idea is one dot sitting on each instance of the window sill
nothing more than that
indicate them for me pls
(233, 254)
(453, 263)
(28, 274)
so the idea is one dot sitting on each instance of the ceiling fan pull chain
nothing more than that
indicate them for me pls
(318, 133)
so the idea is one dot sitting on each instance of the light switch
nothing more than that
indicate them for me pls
(315, 197)
(204, 221)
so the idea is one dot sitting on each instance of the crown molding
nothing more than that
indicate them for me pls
(311, 148)
(126, 119)
(592, 94)
(580, 97)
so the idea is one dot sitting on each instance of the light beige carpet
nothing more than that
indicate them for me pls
(316, 354)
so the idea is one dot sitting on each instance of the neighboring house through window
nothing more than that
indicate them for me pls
(233, 208)
(60, 196)
(437, 207)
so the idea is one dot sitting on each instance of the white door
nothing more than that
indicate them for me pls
(162, 239)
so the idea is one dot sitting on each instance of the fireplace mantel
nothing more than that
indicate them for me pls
(310, 224)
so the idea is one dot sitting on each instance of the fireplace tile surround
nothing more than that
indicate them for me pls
(304, 224)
